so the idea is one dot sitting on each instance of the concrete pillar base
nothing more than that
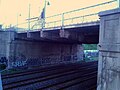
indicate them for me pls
(109, 51)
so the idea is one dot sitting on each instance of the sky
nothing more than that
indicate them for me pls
(17, 11)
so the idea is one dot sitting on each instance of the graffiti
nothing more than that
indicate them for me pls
(20, 60)
(69, 58)
(74, 57)
(18, 57)
(41, 60)
(19, 63)
(50, 60)
(3, 60)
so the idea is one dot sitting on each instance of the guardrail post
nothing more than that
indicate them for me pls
(82, 19)
(63, 21)
(54, 24)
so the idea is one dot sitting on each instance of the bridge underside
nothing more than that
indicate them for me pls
(85, 33)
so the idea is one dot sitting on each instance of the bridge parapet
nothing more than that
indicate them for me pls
(78, 16)
(72, 25)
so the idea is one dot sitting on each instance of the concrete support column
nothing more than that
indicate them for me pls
(77, 52)
(109, 51)
(80, 52)
(73, 35)
(53, 34)
(5, 40)
(10, 37)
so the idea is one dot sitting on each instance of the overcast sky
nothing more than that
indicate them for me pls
(9, 9)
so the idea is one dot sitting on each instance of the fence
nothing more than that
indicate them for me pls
(79, 16)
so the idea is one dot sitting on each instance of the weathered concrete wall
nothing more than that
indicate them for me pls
(109, 51)
(31, 53)
(5, 40)
(28, 52)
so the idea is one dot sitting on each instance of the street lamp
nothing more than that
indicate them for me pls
(48, 3)
(17, 19)
(43, 13)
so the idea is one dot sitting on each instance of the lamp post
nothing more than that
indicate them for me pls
(45, 5)
(43, 14)
(45, 8)
(17, 20)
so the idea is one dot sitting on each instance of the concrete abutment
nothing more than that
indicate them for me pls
(109, 51)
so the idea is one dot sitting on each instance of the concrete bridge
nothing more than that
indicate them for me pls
(85, 33)
(75, 26)
(63, 44)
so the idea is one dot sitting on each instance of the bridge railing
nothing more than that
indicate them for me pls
(78, 16)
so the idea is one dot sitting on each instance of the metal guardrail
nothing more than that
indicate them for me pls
(77, 16)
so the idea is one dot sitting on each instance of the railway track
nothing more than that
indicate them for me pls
(46, 69)
(61, 77)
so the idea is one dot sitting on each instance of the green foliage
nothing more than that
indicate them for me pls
(90, 46)
(2, 67)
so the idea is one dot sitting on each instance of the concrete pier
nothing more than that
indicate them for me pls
(6, 37)
(109, 51)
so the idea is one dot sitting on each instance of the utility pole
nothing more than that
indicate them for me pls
(44, 17)
(45, 8)
(18, 15)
